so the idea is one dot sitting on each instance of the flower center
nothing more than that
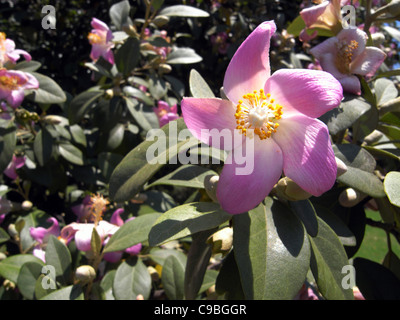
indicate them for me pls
(345, 55)
(94, 38)
(10, 83)
(258, 112)
(98, 206)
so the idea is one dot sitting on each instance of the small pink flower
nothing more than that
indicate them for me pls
(16, 163)
(100, 38)
(165, 113)
(117, 255)
(41, 236)
(326, 15)
(277, 115)
(8, 51)
(12, 86)
(83, 210)
(346, 55)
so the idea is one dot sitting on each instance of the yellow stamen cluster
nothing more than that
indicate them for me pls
(94, 38)
(345, 56)
(258, 111)
(10, 82)
(98, 206)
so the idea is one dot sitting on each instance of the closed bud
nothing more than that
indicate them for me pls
(26, 205)
(130, 30)
(221, 241)
(210, 185)
(109, 94)
(85, 274)
(153, 273)
(12, 231)
(341, 167)
(373, 137)
(2, 256)
(351, 197)
(9, 285)
(290, 190)
(159, 21)
(164, 68)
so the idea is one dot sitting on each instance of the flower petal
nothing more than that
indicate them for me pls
(249, 67)
(239, 193)
(368, 62)
(308, 157)
(83, 236)
(351, 84)
(209, 119)
(311, 92)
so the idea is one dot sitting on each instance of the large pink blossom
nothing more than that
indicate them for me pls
(348, 55)
(100, 38)
(12, 86)
(280, 110)
(8, 51)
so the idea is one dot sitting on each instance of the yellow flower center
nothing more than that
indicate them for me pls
(98, 206)
(259, 112)
(94, 38)
(345, 56)
(10, 83)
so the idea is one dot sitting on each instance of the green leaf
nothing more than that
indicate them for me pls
(392, 187)
(186, 220)
(360, 167)
(8, 140)
(189, 175)
(133, 232)
(81, 104)
(296, 26)
(139, 165)
(385, 90)
(272, 252)
(183, 11)
(28, 275)
(172, 278)
(58, 256)
(306, 213)
(393, 32)
(68, 293)
(183, 56)
(327, 262)
(132, 279)
(198, 86)
(198, 259)
(107, 283)
(95, 242)
(11, 266)
(28, 66)
(375, 281)
(224, 285)
(43, 146)
(42, 291)
(119, 13)
(49, 91)
(350, 110)
(4, 237)
(128, 55)
(71, 153)
(135, 93)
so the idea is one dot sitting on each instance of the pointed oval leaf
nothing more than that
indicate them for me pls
(28, 275)
(392, 187)
(11, 266)
(173, 277)
(58, 256)
(67, 293)
(49, 91)
(183, 11)
(198, 86)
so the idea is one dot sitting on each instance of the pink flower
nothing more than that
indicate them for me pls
(41, 236)
(100, 39)
(12, 86)
(346, 55)
(165, 113)
(8, 51)
(83, 210)
(326, 15)
(16, 163)
(277, 114)
(117, 255)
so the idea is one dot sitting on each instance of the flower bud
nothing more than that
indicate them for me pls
(52, 119)
(341, 167)
(26, 205)
(221, 241)
(85, 273)
(351, 197)
(2, 256)
(159, 21)
(210, 185)
(153, 273)
(8, 284)
(373, 137)
(164, 68)
(130, 30)
(109, 94)
(12, 231)
(290, 190)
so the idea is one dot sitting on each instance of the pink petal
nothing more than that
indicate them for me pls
(311, 92)
(98, 24)
(203, 115)
(351, 84)
(308, 158)
(368, 62)
(134, 250)
(116, 217)
(113, 257)
(41, 234)
(350, 34)
(249, 67)
(311, 15)
(240, 193)
(83, 236)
